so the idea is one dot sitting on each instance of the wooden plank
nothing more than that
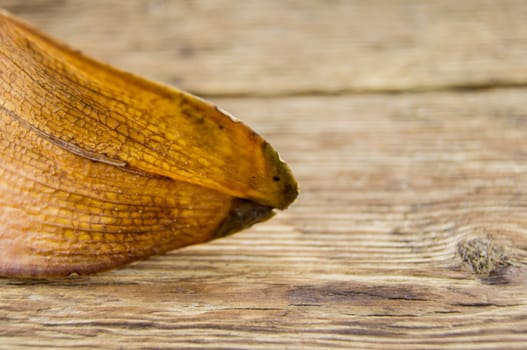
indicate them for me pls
(410, 233)
(230, 47)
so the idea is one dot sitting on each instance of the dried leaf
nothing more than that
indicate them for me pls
(100, 168)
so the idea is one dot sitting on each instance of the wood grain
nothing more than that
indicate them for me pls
(410, 230)
(229, 47)
(393, 189)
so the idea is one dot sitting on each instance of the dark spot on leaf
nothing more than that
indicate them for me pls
(243, 214)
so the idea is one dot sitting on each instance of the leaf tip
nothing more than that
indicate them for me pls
(283, 180)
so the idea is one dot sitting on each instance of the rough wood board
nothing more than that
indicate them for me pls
(403, 196)
(394, 188)
(276, 47)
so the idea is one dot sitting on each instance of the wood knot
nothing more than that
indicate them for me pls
(492, 262)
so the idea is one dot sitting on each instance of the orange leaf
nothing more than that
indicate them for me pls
(100, 168)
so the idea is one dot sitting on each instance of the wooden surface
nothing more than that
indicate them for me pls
(410, 231)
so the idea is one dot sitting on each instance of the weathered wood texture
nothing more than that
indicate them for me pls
(411, 228)
(288, 47)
